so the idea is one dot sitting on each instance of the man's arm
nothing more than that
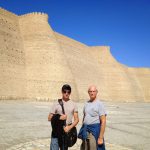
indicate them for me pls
(103, 125)
(76, 120)
(50, 116)
(83, 118)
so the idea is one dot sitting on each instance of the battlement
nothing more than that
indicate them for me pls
(35, 14)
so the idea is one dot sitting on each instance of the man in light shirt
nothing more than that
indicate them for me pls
(71, 112)
(94, 122)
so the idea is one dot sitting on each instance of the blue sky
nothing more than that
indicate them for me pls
(124, 25)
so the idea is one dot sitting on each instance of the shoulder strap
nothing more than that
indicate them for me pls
(62, 105)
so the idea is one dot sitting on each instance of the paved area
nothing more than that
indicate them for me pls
(44, 145)
(24, 126)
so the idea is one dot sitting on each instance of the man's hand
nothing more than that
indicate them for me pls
(100, 141)
(50, 117)
(63, 117)
(67, 128)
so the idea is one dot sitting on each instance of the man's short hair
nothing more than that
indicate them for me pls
(66, 87)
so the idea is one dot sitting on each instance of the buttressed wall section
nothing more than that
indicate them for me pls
(35, 62)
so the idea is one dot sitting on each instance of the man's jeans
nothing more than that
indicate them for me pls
(54, 144)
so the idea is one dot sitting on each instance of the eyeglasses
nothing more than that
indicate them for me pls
(92, 91)
(68, 92)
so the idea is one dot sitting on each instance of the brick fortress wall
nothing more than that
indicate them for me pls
(115, 81)
(36, 61)
(46, 68)
(12, 57)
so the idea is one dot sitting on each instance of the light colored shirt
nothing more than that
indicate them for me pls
(93, 111)
(70, 108)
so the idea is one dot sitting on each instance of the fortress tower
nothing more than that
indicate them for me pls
(46, 66)
(35, 62)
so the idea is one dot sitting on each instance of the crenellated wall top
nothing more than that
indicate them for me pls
(34, 14)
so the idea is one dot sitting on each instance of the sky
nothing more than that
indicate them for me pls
(124, 25)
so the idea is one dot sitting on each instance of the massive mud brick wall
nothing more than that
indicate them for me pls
(35, 62)
(12, 57)
(46, 67)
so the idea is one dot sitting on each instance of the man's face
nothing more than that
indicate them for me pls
(92, 93)
(66, 94)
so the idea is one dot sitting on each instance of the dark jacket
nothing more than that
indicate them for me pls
(57, 126)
